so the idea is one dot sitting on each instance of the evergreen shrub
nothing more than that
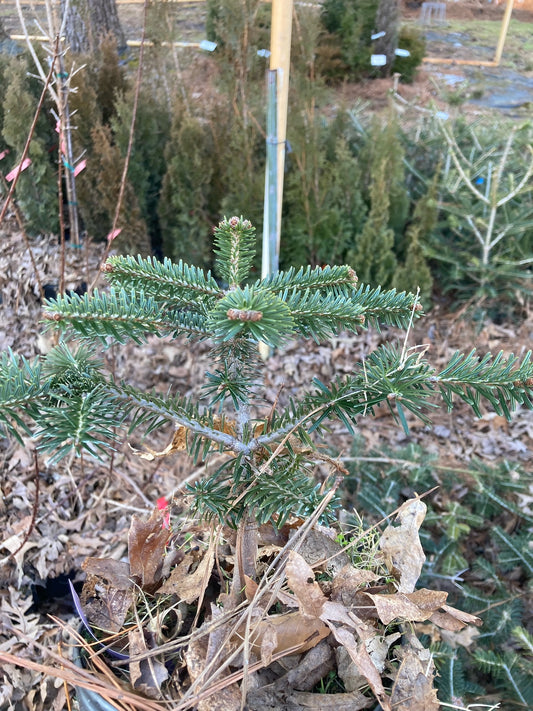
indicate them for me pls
(412, 40)
(36, 191)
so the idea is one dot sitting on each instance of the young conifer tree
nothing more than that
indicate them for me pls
(76, 406)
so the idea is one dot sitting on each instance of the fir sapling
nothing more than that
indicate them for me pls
(77, 407)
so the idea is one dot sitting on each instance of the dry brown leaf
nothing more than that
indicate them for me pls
(227, 699)
(177, 444)
(310, 669)
(269, 643)
(465, 638)
(454, 620)
(146, 675)
(189, 586)
(291, 631)
(401, 545)
(322, 551)
(336, 702)
(146, 548)
(378, 648)
(250, 588)
(413, 690)
(179, 441)
(348, 581)
(414, 607)
(115, 572)
(301, 580)
(107, 592)
(363, 661)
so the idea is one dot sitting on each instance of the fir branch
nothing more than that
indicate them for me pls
(503, 381)
(524, 639)
(235, 250)
(343, 279)
(152, 410)
(86, 421)
(175, 284)
(519, 556)
(319, 316)
(503, 667)
(121, 315)
(251, 313)
(385, 376)
(386, 307)
(21, 392)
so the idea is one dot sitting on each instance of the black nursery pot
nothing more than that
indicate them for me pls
(89, 700)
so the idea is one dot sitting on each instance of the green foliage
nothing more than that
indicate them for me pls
(352, 24)
(411, 39)
(472, 505)
(148, 163)
(186, 196)
(484, 247)
(77, 407)
(102, 179)
(373, 254)
(36, 191)
(323, 201)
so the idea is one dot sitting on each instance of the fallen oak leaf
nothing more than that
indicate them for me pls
(412, 607)
(449, 618)
(107, 592)
(363, 661)
(301, 580)
(401, 545)
(292, 632)
(146, 548)
(189, 586)
(413, 688)
(146, 675)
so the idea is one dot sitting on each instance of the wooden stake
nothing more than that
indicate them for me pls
(503, 31)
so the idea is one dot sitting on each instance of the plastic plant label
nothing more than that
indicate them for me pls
(208, 46)
(378, 60)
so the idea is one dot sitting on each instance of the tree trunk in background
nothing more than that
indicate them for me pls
(89, 21)
(388, 21)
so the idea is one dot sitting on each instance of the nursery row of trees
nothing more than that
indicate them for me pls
(439, 201)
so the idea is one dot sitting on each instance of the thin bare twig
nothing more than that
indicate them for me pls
(35, 507)
(128, 151)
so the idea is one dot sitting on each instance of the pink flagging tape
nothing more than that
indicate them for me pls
(11, 175)
(114, 233)
(81, 165)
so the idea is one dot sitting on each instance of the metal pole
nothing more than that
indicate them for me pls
(270, 258)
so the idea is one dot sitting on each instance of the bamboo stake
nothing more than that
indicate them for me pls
(280, 48)
(503, 31)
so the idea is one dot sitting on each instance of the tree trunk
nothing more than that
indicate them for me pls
(387, 21)
(88, 22)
